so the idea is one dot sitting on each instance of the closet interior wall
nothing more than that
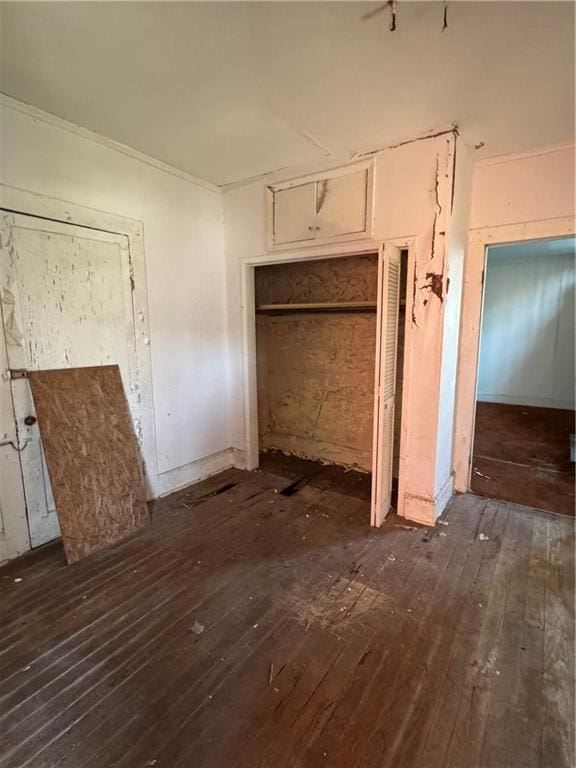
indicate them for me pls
(315, 366)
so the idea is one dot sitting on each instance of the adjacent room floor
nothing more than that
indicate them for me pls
(251, 628)
(522, 454)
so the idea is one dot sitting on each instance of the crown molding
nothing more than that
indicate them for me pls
(46, 117)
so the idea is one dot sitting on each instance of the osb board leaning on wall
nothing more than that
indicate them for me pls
(92, 456)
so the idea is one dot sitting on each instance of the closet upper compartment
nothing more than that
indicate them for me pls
(330, 207)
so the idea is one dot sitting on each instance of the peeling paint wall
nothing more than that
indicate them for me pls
(316, 370)
(456, 240)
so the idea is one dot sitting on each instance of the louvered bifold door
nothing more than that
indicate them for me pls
(385, 381)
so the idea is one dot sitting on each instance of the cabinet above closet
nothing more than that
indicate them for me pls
(330, 207)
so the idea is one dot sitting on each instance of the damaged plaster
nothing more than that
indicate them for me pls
(430, 277)
(14, 336)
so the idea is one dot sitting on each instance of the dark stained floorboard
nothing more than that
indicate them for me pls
(522, 454)
(248, 629)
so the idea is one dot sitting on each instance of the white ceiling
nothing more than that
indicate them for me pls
(229, 90)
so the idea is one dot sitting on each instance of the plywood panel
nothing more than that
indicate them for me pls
(316, 370)
(344, 279)
(92, 456)
(316, 385)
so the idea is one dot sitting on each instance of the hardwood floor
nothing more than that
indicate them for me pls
(522, 454)
(250, 628)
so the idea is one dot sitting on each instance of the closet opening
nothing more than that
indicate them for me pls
(317, 342)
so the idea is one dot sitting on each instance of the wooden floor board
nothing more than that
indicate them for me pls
(250, 629)
(522, 454)
(457, 684)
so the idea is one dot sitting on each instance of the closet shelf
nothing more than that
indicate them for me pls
(326, 306)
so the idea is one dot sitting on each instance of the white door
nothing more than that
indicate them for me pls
(66, 298)
(385, 382)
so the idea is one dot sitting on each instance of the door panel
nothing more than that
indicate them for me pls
(385, 383)
(67, 302)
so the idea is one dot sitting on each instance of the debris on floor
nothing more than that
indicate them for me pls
(293, 488)
(197, 628)
(483, 537)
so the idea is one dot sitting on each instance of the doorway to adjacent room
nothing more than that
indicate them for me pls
(524, 433)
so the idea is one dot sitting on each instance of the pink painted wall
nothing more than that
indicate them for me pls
(520, 188)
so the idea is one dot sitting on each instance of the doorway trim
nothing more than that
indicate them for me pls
(23, 202)
(471, 327)
(248, 301)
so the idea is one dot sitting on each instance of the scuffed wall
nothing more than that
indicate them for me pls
(316, 370)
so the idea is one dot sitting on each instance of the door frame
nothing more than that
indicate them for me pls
(471, 327)
(25, 203)
(249, 361)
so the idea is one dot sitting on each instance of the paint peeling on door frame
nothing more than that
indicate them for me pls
(435, 284)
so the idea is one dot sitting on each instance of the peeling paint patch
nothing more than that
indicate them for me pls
(321, 193)
(438, 205)
(435, 284)
(414, 286)
(392, 6)
(453, 180)
(14, 336)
